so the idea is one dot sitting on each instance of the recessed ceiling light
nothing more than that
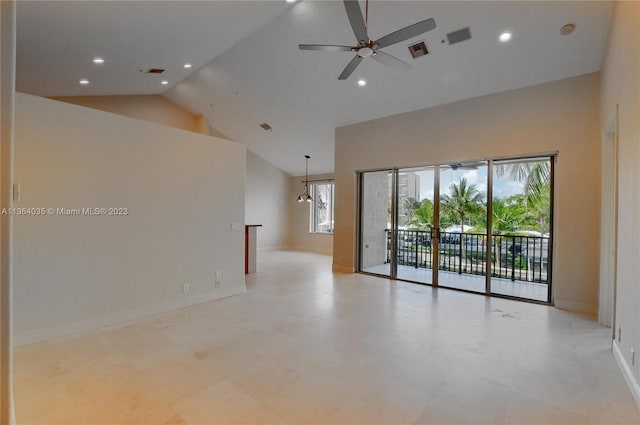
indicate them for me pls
(84, 81)
(187, 65)
(505, 36)
(164, 82)
(98, 61)
(291, 1)
(362, 83)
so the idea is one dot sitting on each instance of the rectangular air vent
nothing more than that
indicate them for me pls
(155, 71)
(418, 49)
(459, 36)
(265, 126)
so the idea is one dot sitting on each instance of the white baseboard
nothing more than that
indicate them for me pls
(627, 373)
(338, 268)
(119, 318)
(575, 306)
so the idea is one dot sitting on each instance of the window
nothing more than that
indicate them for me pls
(489, 221)
(321, 214)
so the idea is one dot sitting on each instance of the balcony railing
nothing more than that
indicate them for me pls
(519, 258)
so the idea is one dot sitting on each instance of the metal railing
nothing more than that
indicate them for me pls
(519, 258)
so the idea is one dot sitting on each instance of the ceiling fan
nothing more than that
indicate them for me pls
(366, 47)
(466, 165)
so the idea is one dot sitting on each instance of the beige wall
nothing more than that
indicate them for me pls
(561, 116)
(299, 237)
(183, 192)
(621, 86)
(267, 199)
(145, 107)
(267, 189)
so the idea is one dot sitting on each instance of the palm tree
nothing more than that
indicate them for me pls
(539, 209)
(537, 189)
(536, 175)
(422, 217)
(463, 200)
(407, 209)
(507, 215)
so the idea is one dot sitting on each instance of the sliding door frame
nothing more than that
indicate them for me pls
(489, 253)
(435, 247)
(393, 266)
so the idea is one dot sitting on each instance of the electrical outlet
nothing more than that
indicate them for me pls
(185, 288)
(218, 277)
(633, 357)
(619, 333)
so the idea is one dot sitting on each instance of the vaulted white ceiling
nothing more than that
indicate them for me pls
(247, 68)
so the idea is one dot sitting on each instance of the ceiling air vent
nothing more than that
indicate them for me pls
(155, 71)
(459, 36)
(418, 49)
(265, 126)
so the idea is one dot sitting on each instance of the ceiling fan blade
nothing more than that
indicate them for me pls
(406, 33)
(351, 66)
(466, 165)
(356, 20)
(391, 61)
(325, 47)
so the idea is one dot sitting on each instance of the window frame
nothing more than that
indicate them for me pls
(313, 205)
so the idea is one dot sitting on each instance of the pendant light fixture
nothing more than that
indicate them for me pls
(305, 196)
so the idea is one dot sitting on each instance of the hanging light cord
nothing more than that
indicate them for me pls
(306, 196)
(306, 175)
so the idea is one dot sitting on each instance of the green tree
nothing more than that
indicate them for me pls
(539, 209)
(535, 175)
(537, 191)
(422, 217)
(462, 201)
(508, 214)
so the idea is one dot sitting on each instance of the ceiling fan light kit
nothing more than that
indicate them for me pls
(366, 47)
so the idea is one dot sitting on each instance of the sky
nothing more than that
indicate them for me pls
(502, 186)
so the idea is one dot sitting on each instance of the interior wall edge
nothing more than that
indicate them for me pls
(152, 108)
(576, 306)
(629, 378)
(266, 202)
(339, 268)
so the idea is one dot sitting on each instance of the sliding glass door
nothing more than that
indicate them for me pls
(480, 226)
(521, 228)
(463, 226)
(415, 224)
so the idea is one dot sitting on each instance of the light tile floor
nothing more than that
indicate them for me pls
(304, 345)
(468, 282)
